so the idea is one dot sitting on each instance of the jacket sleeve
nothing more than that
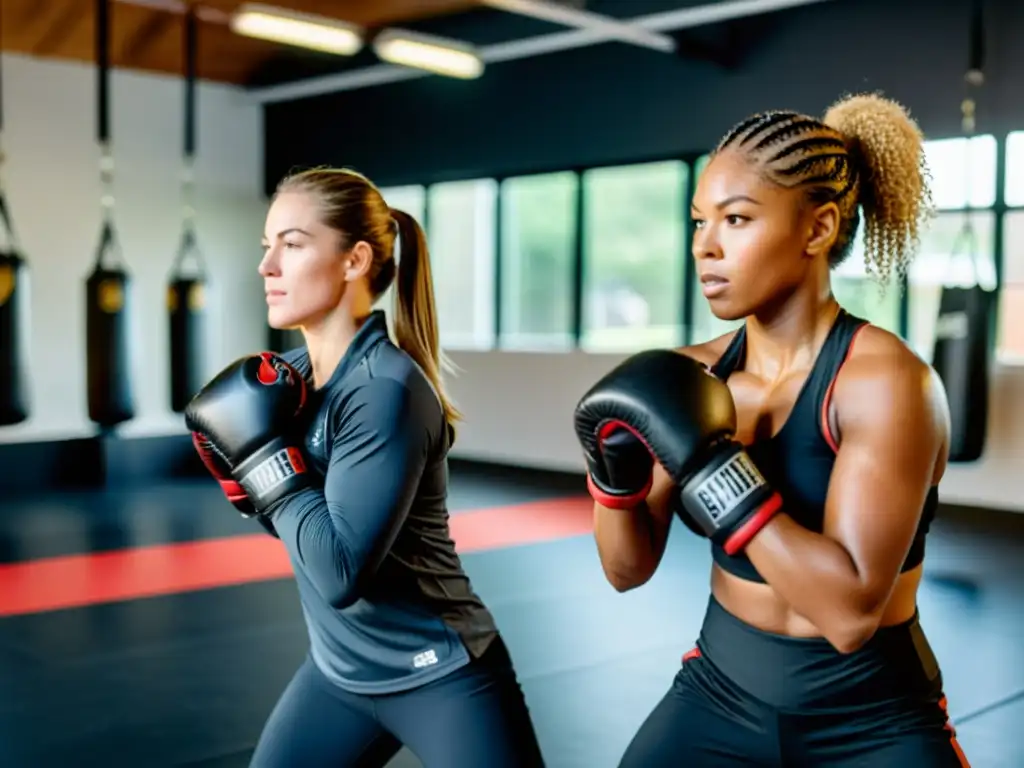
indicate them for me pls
(339, 535)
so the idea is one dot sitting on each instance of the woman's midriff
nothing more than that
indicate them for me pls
(759, 605)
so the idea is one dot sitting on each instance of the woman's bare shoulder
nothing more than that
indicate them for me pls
(708, 352)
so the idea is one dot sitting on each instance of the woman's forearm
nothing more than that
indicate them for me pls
(817, 577)
(627, 544)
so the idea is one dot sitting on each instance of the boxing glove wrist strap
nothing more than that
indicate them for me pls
(617, 499)
(729, 499)
(271, 473)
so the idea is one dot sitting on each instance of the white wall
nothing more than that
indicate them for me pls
(52, 185)
(518, 409)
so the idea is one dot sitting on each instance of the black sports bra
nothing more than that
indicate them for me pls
(798, 459)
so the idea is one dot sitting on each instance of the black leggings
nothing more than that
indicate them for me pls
(474, 717)
(748, 698)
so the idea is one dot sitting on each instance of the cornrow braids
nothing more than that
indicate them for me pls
(866, 155)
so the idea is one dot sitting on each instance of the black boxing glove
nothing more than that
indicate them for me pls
(246, 417)
(686, 419)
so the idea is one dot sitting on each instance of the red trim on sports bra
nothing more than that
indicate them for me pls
(826, 429)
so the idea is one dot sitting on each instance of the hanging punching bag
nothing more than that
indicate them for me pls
(13, 319)
(14, 407)
(186, 290)
(108, 372)
(108, 368)
(187, 327)
(962, 360)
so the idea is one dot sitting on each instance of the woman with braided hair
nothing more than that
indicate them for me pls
(811, 652)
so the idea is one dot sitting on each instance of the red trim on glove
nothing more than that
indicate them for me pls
(610, 501)
(742, 535)
(233, 491)
(296, 459)
(619, 502)
(267, 372)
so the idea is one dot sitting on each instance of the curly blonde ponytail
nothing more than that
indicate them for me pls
(867, 154)
(895, 195)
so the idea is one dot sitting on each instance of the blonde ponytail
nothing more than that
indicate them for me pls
(895, 195)
(415, 315)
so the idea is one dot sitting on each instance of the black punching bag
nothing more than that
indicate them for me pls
(108, 361)
(13, 328)
(186, 320)
(963, 346)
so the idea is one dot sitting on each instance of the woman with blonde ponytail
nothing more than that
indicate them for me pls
(402, 650)
(811, 651)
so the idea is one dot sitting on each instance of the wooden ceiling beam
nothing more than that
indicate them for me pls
(145, 37)
(63, 23)
(144, 32)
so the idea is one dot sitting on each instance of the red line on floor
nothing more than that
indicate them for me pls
(73, 581)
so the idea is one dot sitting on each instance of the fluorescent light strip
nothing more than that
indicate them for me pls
(302, 30)
(432, 54)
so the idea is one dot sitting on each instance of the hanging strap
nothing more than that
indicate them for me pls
(6, 223)
(974, 78)
(189, 247)
(108, 253)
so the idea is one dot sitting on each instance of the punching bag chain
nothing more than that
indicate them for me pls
(974, 79)
(9, 243)
(2, 156)
(107, 182)
(108, 245)
(189, 247)
(188, 203)
(189, 150)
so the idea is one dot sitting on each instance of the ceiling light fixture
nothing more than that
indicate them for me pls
(433, 54)
(302, 30)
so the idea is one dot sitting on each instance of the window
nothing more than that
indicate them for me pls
(538, 256)
(863, 295)
(634, 246)
(1010, 341)
(461, 217)
(963, 175)
(413, 200)
(950, 254)
(963, 172)
(1015, 169)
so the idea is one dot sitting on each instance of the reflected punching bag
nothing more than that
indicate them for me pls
(14, 407)
(186, 323)
(108, 361)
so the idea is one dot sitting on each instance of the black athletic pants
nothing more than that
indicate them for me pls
(476, 717)
(748, 698)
